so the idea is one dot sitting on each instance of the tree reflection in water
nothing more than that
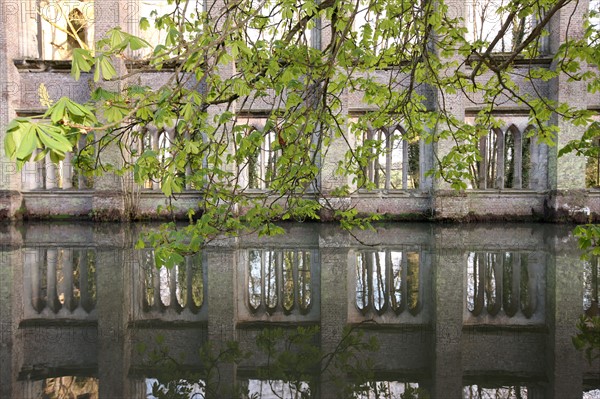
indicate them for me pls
(504, 392)
(500, 281)
(179, 288)
(296, 367)
(70, 387)
(387, 280)
(279, 280)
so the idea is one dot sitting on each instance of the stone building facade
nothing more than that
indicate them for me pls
(538, 186)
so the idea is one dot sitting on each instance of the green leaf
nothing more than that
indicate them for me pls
(81, 62)
(28, 144)
(53, 138)
(106, 67)
(144, 23)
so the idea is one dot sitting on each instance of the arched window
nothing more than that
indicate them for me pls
(61, 26)
(77, 28)
(506, 157)
(144, 19)
(394, 163)
(592, 167)
(262, 163)
(62, 281)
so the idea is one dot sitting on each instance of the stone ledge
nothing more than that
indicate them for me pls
(38, 65)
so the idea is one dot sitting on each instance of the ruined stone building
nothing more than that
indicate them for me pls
(519, 178)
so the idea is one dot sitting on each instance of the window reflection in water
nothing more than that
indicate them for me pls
(279, 280)
(62, 279)
(591, 272)
(277, 389)
(70, 387)
(388, 280)
(389, 389)
(506, 392)
(181, 388)
(499, 281)
(181, 287)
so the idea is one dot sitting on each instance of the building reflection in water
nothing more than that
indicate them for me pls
(62, 282)
(591, 284)
(180, 288)
(501, 282)
(279, 280)
(456, 312)
(387, 280)
(477, 392)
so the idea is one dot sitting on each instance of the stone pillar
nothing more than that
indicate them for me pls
(154, 136)
(31, 177)
(449, 301)
(51, 173)
(222, 315)
(67, 172)
(564, 307)
(108, 201)
(453, 104)
(518, 159)
(10, 178)
(568, 172)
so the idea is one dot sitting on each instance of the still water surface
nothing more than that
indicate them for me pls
(408, 311)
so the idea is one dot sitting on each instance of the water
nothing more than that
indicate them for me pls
(413, 310)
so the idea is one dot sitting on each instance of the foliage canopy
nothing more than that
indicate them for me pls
(298, 62)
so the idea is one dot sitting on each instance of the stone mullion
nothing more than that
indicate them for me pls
(518, 159)
(500, 161)
(405, 163)
(483, 164)
(389, 145)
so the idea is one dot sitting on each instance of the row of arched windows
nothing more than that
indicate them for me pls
(506, 159)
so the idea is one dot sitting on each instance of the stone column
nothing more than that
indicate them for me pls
(453, 104)
(449, 300)
(568, 172)
(10, 178)
(108, 200)
(67, 172)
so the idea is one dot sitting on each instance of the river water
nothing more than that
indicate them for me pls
(406, 311)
